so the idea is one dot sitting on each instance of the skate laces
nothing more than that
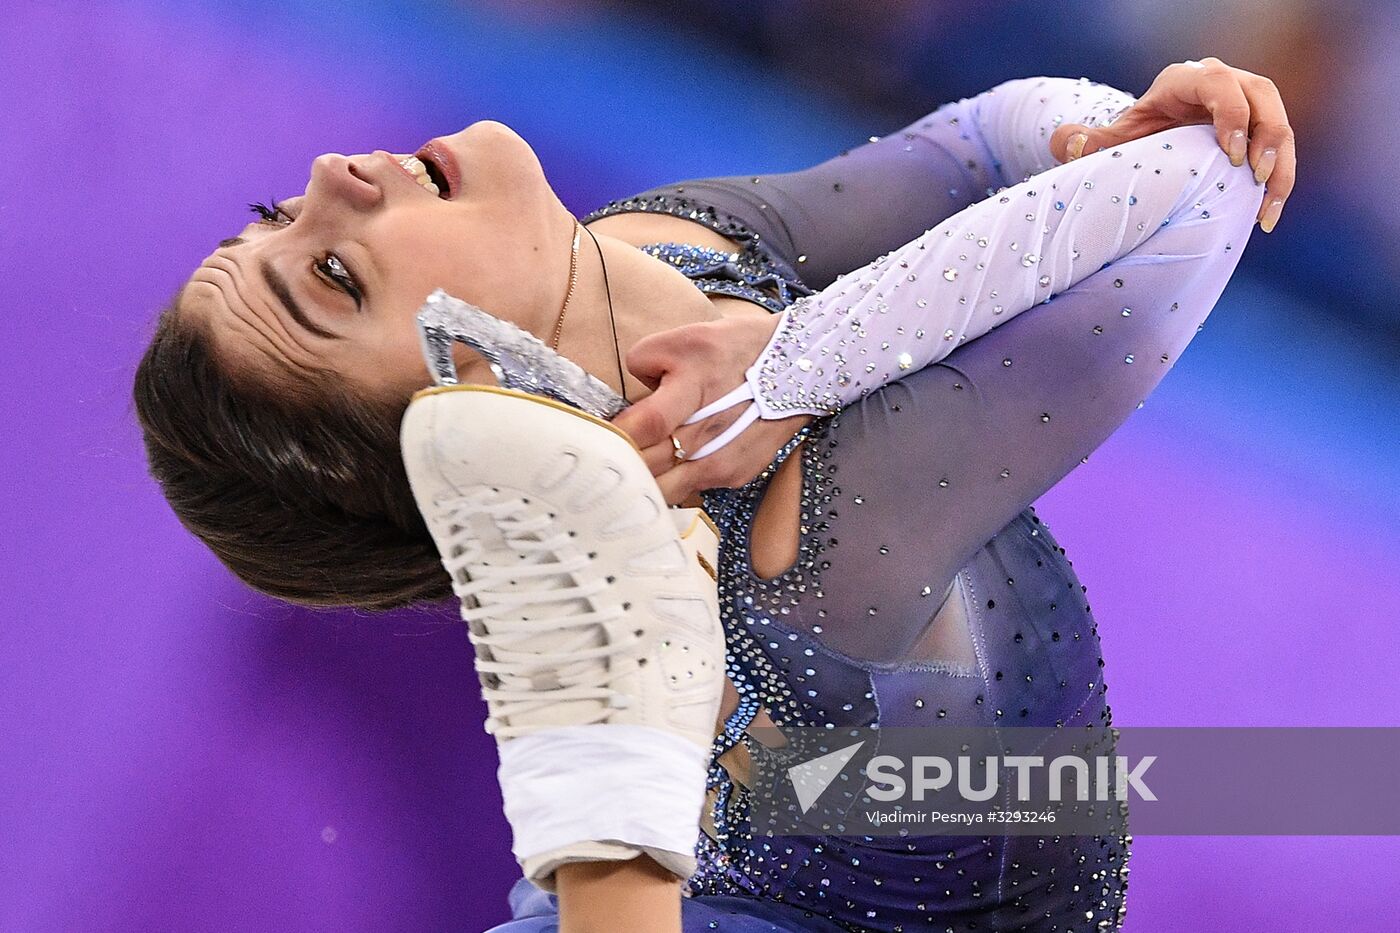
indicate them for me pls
(540, 636)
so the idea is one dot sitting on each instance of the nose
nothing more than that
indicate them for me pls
(336, 178)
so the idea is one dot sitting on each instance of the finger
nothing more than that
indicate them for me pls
(651, 421)
(685, 480)
(1270, 213)
(1070, 141)
(655, 355)
(650, 358)
(1268, 126)
(1066, 144)
(1276, 163)
(660, 457)
(1280, 186)
(686, 440)
(666, 453)
(1223, 97)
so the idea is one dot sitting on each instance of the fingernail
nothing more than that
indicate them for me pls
(1265, 168)
(1271, 215)
(1076, 146)
(1237, 147)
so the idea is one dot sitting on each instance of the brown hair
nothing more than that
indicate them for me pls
(298, 488)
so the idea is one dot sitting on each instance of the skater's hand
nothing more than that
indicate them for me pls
(1245, 108)
(687, 368)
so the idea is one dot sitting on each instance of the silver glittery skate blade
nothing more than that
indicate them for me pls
(519, 359)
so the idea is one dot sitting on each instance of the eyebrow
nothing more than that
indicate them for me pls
(278, 286)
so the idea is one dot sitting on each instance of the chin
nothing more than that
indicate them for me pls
(491, 158)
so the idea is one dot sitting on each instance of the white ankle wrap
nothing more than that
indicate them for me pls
(605, 792)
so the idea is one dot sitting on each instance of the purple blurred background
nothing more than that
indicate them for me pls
(177, 753)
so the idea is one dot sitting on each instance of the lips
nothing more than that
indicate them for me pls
(442, 168)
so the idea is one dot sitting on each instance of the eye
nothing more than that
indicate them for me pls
(273, 214)
(333, 270)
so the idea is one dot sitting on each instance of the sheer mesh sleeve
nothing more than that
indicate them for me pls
(972, 273)
(944, 458)
(839, 215)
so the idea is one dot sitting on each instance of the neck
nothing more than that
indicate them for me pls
(648, 296)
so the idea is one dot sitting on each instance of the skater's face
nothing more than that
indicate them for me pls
(330, 282)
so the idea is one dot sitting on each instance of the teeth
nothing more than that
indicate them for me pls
(419, 171)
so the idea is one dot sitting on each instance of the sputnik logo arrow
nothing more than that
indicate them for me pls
(811, 778)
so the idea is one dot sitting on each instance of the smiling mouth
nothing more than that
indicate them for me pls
(428, 174)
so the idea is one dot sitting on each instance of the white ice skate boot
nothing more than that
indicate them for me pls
(592, 608)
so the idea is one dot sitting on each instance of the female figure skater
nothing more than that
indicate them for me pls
(883, 567)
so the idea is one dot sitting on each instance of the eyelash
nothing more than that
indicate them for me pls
(331, 267)
(270, 214)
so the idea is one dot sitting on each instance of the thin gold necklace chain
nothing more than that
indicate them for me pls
(573, 281)
(580, 229)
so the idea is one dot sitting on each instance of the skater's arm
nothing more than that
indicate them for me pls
(604, 897)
